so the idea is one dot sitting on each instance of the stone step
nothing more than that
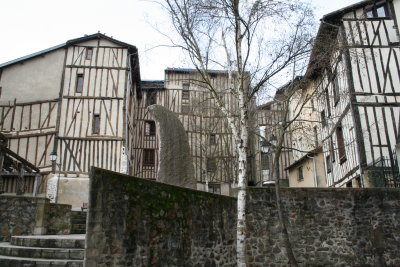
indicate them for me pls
(6, 249)
(50, 241)
(7, 261)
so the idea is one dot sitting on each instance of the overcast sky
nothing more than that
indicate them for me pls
(28, 26)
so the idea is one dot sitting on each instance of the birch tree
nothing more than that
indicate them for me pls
(256, 42)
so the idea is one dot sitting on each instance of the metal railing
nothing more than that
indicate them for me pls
(385, 172)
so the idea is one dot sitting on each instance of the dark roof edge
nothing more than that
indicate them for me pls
(300, 160)
(36, 54)
(346, 9)
(68, 43)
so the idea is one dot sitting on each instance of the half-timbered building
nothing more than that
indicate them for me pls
(355, 68)
(73, 101)
(210, 138)
(269, 116)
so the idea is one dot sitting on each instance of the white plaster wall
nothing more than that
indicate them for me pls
(33, 79)
(73, 191)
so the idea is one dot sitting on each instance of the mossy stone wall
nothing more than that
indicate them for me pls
(137, 222)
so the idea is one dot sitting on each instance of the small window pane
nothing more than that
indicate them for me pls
(89, 53)
(340, 144)
(96, 124)
(381, 12)
(79, 83)
(151, 98)
(185, 91)
(213, 139)
(323, 118)
(148, 157)
(211, 165)
(370, 14)
(150, 128)
(214, 188)
(300, 176)
(328, 164)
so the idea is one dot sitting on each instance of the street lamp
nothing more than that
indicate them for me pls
(53, 156)
(267, 148)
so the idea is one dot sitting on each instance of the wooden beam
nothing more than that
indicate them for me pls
(16, 156)
(96, 67)
(29, 103)
(94, 97)
(106, 138)
(30, 135)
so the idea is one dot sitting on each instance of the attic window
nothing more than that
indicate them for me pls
(89, 53)
(377, 11)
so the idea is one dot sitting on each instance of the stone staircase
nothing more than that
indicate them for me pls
(46, 250)
(78, 222)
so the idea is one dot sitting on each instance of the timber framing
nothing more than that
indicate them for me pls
(85, 127)
(364, 123)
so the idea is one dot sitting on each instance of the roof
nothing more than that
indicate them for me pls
(300, 160)
(193, 70)
(68, 43)
(342, 11)
(153, 85)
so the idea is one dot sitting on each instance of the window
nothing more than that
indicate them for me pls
(316, 142)
(323, 118)
(79, 83)
(377, 11)
(264, 161)
(185, 91)
(340, 144)
(89, 53)
(331, 149)
(148, 157)
(150, 128)
(328, 102)
(96, 124)
(214, 188)
(328, 164)
(213, 139)
(300, 175)
(185, 109)
(151, 98)
(336, 89)
(211, 164)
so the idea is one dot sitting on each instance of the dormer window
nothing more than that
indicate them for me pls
(377, 11)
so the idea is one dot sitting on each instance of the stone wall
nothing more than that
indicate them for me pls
(59, 219)
(327, 227)
(137, 222)
(22, 215)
